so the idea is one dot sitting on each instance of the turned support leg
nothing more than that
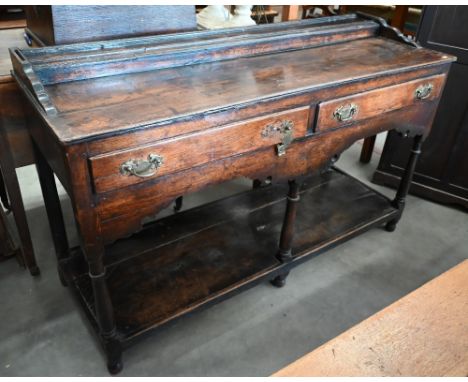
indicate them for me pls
(53, 208)
(405, 183)
(105, 313)
(287, 231)
(92, 244)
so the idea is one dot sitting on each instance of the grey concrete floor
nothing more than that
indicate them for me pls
(43, 333)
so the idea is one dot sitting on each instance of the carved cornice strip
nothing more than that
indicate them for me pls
(389, 31)
(23, 68)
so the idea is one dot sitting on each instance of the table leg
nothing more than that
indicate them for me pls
(104, 309)
(13, 189)
(287, 231)
(7, 245)
(89, 228)
(3, 193)
(53, 208)
(367, 149)
(405, 183)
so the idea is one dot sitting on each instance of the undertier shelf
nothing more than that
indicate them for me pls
(203, 255)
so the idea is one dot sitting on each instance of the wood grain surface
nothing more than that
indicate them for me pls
(91, 107)
(117, 209)
(12, 111)
(201, 99)
(199, 148)
(376, 102)
(423, 334)
(251, 109)
(14, 120)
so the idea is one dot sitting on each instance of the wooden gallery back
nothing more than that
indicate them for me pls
(129, 126)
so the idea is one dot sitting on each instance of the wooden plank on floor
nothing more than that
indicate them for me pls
(423, 334)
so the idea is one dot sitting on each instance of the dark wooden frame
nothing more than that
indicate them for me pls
(25, 253)
(15, 202)
(15, 150)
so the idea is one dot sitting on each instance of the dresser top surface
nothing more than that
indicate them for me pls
(112, 104)
(101, 105)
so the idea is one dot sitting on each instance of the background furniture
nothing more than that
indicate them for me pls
(290, 12)
(15, 145)
(264, 14)
(12, 16)
(442, 172)
(421, 335)
(63, 24)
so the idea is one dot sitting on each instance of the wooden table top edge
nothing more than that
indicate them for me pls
(304, 366)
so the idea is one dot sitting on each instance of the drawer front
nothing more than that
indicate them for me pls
(346, 110)
(122, 211)
(126, 167)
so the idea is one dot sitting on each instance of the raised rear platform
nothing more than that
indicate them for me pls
(203, 255)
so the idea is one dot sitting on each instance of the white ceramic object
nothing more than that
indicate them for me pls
(242, 17)
(213, 17)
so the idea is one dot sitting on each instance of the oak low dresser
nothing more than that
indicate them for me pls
(129, 126)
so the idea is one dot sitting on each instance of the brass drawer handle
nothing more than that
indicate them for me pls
(345, 112)
(142, 168)
(285, 130)
(423, 91)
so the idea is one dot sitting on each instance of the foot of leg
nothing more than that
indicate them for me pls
(114, 356)
(391, 225)
(280, 280)
(34, 270)
(62, 278)
(115, 365)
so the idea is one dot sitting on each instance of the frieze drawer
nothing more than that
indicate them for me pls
(346, 110)
(126, 167)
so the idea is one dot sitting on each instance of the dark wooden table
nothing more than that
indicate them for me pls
(15, 146)
(131, 125)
